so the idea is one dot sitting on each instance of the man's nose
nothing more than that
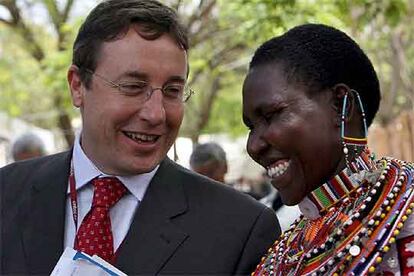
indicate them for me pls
(153, 110)
(151, 91)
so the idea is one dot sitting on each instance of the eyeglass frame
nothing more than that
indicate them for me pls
(187, 91)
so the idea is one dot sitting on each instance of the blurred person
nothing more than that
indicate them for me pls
(248, 186)
(285, 214)
(28, 146)
(149, 215)
(209, 159)
(308, 99)
(262, 186)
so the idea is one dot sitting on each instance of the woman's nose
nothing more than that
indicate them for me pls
(256, 144)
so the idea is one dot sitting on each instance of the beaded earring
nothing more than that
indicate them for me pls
(349, 142)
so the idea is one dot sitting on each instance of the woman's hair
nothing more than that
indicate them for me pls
(319, 57)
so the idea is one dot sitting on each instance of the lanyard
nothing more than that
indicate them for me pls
(74, 205)
(73, 196)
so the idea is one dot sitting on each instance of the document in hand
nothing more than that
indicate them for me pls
(73, 263)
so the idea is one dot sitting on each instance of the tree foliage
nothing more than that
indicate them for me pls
(223, 36)
(46, 51)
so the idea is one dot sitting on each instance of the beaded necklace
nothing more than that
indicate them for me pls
(362, 211)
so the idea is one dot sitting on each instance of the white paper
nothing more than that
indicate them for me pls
(74, 263)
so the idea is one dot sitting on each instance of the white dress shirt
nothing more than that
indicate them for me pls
(121, 214)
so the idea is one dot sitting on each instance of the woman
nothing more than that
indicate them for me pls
(308, 99)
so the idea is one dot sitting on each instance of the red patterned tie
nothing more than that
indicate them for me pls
(94, 236)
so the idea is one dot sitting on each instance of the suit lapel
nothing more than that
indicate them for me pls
(153, 238)
(44, 217)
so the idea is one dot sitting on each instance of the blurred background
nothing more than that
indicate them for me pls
(35, 51)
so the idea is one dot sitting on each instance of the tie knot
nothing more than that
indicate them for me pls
(107, 191)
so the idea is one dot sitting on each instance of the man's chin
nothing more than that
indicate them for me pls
(138, 167)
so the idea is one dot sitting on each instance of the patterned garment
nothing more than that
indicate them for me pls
(94, 236)
(356, 223)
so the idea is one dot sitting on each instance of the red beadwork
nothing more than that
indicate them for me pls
(354, 234)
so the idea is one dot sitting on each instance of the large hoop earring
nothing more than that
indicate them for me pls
(353, 142)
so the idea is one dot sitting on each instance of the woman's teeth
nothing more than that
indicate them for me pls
(278, 170)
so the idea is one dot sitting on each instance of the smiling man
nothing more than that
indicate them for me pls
(115, 194)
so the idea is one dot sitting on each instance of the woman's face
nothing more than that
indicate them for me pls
(295, 137)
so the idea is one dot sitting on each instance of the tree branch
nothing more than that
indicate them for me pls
(54, 13)
(19, 25)
(7, 22)
(207, 106)
(34, 48)
(195, 76)
(59, 18)
(201, 13)
(66, 10)
(12, 8)
(177, 5)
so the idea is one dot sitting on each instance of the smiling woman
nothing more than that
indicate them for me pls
(284, 116)
(308, 99)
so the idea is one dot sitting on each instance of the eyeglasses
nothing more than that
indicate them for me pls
(173, 93)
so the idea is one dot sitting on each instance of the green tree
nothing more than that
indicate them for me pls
(223, 36)
(47, 51)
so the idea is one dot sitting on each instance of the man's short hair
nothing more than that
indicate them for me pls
(112, 18)
(207, 153)
(27, 144)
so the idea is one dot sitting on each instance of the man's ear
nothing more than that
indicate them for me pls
(339, 91)
(75, 86)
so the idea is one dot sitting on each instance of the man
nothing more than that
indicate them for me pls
(209, 159)
(28, 146)
(128, 80)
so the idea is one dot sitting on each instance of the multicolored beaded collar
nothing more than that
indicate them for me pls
(354, 231)
(343, 183)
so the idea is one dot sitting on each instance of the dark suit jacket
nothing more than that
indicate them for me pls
(185, 225)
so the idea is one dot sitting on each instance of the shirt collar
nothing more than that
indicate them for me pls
(85, 171)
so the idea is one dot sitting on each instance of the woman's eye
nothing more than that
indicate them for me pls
(268, 116)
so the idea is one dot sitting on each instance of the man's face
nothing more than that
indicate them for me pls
(28, 154)
(213, 169)
(120, 134)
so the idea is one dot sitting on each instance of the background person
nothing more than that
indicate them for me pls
(149, 215)
(285, 214)
(28, 146)
(308, 100)
(209, 159)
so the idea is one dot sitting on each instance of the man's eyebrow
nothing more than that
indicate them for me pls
(143, 76)
(134, 74)
(176, 79)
